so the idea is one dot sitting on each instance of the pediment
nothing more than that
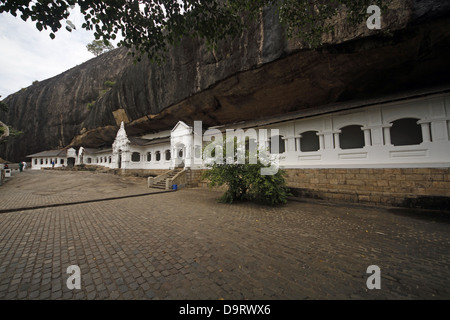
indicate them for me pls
(180, 126)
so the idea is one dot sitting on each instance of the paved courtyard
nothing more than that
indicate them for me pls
(185, 245)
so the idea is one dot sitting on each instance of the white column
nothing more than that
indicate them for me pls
(291, 141)
(298, 142)
(321, 141)
(367, 138)
(425, 131)
(337, 144)
(438, 129)
(387, 134)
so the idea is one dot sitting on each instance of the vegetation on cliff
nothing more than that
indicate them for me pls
(151, 27)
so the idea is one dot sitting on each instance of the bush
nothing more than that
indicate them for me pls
(245, 182)
(109, 84)
(90, 105)
(3, 106)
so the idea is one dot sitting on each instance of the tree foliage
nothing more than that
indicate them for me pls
(3, 106)
(98, 47)
(11, 133)
(151, 26)
(244, 181)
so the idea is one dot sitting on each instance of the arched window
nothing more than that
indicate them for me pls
(42, 161)
(149, 156)
(110, 160)
(406, 132)
(351, 137)
(89, 160)
(35, 161)
(136, 157)
(281, 145)
(167, 155)
(309, 141)
(158, 156)
(61, 161)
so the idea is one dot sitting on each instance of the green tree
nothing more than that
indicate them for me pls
(3, 106)
(244, 181)
(98, 47)
(151, 26)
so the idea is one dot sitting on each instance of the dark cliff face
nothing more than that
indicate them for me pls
(260, 74)
(51, 111)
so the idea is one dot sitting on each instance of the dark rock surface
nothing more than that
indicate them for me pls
(50, 112)
(260, 74)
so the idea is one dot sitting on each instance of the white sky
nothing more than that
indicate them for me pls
(27, 55)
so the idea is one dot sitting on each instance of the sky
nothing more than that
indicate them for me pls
(27, 55)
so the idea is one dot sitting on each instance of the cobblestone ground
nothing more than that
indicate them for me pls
(185, 245)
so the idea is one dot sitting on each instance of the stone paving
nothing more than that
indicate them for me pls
(31, 189)
(185, 245)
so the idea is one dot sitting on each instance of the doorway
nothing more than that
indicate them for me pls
(70, 162)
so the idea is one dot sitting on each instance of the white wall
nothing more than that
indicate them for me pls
(47, 162)
(143, 163)
(433, 119)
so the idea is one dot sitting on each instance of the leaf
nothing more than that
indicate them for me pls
(71, 25)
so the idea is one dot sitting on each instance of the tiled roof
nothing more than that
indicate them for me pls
(93, 151)
(147, 142)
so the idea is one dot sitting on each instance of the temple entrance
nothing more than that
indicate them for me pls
(180, 154)
(119, 160)
(70, 162)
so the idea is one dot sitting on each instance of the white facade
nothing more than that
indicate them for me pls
(403, 134)
(148, 152)
(414, 133)
(182, 145)
(53, 159)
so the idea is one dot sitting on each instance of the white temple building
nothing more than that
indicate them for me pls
(412, 132)
(409, 133)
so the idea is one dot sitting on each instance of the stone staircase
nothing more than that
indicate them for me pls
(162, 184)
